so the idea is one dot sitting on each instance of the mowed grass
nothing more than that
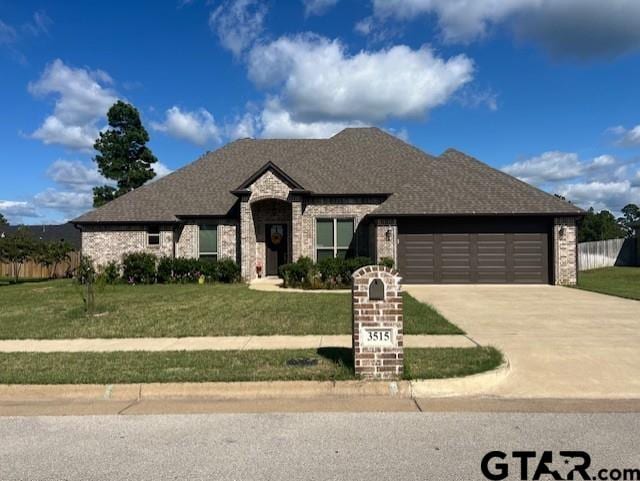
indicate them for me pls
(615, 281)
(54, 310)
(229, 366)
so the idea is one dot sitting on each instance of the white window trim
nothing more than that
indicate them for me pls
(148, 234)
(336, 247)
(217, 241)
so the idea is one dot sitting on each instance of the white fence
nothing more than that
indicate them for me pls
(612, 252)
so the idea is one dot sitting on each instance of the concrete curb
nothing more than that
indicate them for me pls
(464, 386)
(475, 384)
(207, 390)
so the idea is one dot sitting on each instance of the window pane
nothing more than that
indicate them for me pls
(345, 232)
(153, 239)
(324, 254)
(324, 232)
(342, 253)
(208, 257)
(208, 238)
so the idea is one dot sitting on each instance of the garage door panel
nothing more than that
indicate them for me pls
(465, 251)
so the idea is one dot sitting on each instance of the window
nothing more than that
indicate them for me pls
(333, 238)
(208, 242)
(153, 235)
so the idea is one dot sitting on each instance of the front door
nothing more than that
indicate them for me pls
(276, 243)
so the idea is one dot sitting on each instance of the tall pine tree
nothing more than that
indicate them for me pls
(123, 154)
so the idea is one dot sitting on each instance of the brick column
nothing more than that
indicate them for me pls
(377, 323)
(564, 251)
(386, 247)
(296, 228)
(247, 241)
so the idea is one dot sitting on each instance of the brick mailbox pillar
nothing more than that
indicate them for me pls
(377, 323)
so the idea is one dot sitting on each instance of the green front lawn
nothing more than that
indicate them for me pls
(53, 310)
(615, 281)
(221, 366)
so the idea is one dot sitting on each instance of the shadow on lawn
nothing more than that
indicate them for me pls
(338, 355)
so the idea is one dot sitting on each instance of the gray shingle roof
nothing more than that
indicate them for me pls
(355, 161)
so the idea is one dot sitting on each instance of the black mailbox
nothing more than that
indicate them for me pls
(376, 290)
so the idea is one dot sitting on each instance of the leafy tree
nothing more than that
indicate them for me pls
(123, 154)
(599, 226)
(16, 249)
(3, 220)
(630, 216)
(51, 254)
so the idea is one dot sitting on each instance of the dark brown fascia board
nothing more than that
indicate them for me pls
(485, 214)
(268, 166)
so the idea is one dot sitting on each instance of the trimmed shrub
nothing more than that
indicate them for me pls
(386, 262)
(111, 273)
(329, 273)
(139, 268)
(183, 270)
(228, 271)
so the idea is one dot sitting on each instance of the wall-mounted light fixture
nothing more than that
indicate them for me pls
(387, 235)
(562, 232)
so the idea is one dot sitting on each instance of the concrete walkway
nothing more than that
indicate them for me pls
(233, 343)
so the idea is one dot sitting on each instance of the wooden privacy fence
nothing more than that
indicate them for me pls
(33, 270)
(606, 253)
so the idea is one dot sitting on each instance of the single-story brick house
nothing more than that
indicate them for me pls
(445, 219)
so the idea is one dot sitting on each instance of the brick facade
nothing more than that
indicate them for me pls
(386, 239)
(565, 236)
(105, 244)
(375, 358)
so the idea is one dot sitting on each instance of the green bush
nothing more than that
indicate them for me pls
(139, 268)
(183, 270)
(329, 273)
(302, 273)
(386, 262)
(228, 271)
(111, 273)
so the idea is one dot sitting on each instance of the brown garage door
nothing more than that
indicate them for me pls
(473, 250)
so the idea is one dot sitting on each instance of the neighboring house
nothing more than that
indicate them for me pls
(48, 233)
(446, 219)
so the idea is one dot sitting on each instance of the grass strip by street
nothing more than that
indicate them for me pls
(53, 310)
(323, 364)
(614, 281)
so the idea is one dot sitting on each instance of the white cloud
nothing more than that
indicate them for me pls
(64, 201)
(238, 23)
(161, 170)
(243, 127)
(626, 138)
(550, 166)
(276, 122)
(601, 195)
(75, 175)
(83, 99)
(318, 81)
(602, 182)
(198, 127)
(14, 210)
(318, 7)
(574, 28)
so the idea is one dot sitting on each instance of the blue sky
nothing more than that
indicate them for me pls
(545, 89)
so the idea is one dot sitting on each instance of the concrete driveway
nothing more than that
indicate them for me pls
(561, 342)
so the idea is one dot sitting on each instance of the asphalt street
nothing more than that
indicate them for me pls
(316, 446)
